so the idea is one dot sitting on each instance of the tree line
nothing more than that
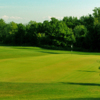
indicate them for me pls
(82, 33)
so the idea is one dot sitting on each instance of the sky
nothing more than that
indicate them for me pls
(23, 11)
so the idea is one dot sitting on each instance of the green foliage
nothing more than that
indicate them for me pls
(13, 28)
(20, 35)
(71, 22)
(93, 38)
(96, 13)
(2, 30)
(60, 34)
(83, 33)
(80, 31)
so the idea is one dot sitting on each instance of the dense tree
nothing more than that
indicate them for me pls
(20, 35)
(96, 14)
(71, 22)
(33, 28)
(80, 32)
(96, 41)
(93, 38)
(60, 34)
(2, 30)
(46, 27)
(84, 32)
(13, 28)
(88, 21)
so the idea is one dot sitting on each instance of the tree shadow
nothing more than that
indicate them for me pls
(38, 50)
(84, 84)
(29, 90)
(49, 52)
(86, 71)
(77, 99)
(52, 51)
(85, 99)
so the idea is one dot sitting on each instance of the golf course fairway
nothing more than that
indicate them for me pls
(33, 73)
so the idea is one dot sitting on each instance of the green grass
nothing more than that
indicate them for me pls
(32, 73)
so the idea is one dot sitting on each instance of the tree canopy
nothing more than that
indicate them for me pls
(83, 33)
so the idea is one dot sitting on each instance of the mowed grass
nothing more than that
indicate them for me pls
(32, 73)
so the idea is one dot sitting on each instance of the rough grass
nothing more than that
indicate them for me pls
(31, 73)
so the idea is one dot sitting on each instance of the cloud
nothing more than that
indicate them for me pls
(5, 17)
(15, 17)
(57, 17)
(3, 6)
(49, 17)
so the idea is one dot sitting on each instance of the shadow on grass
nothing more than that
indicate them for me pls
(21, 91)
(85, 99)
(37, 49)
(86, 71)
(85, 84)
(42, 50)
(77, 99)
(51, 51)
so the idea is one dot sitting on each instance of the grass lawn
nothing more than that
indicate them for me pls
(32, 73)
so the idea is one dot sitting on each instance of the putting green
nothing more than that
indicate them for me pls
(31, 73)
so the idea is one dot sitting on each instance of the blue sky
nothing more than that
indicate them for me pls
(22, 11)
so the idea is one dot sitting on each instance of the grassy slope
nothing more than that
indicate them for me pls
(33, 73)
